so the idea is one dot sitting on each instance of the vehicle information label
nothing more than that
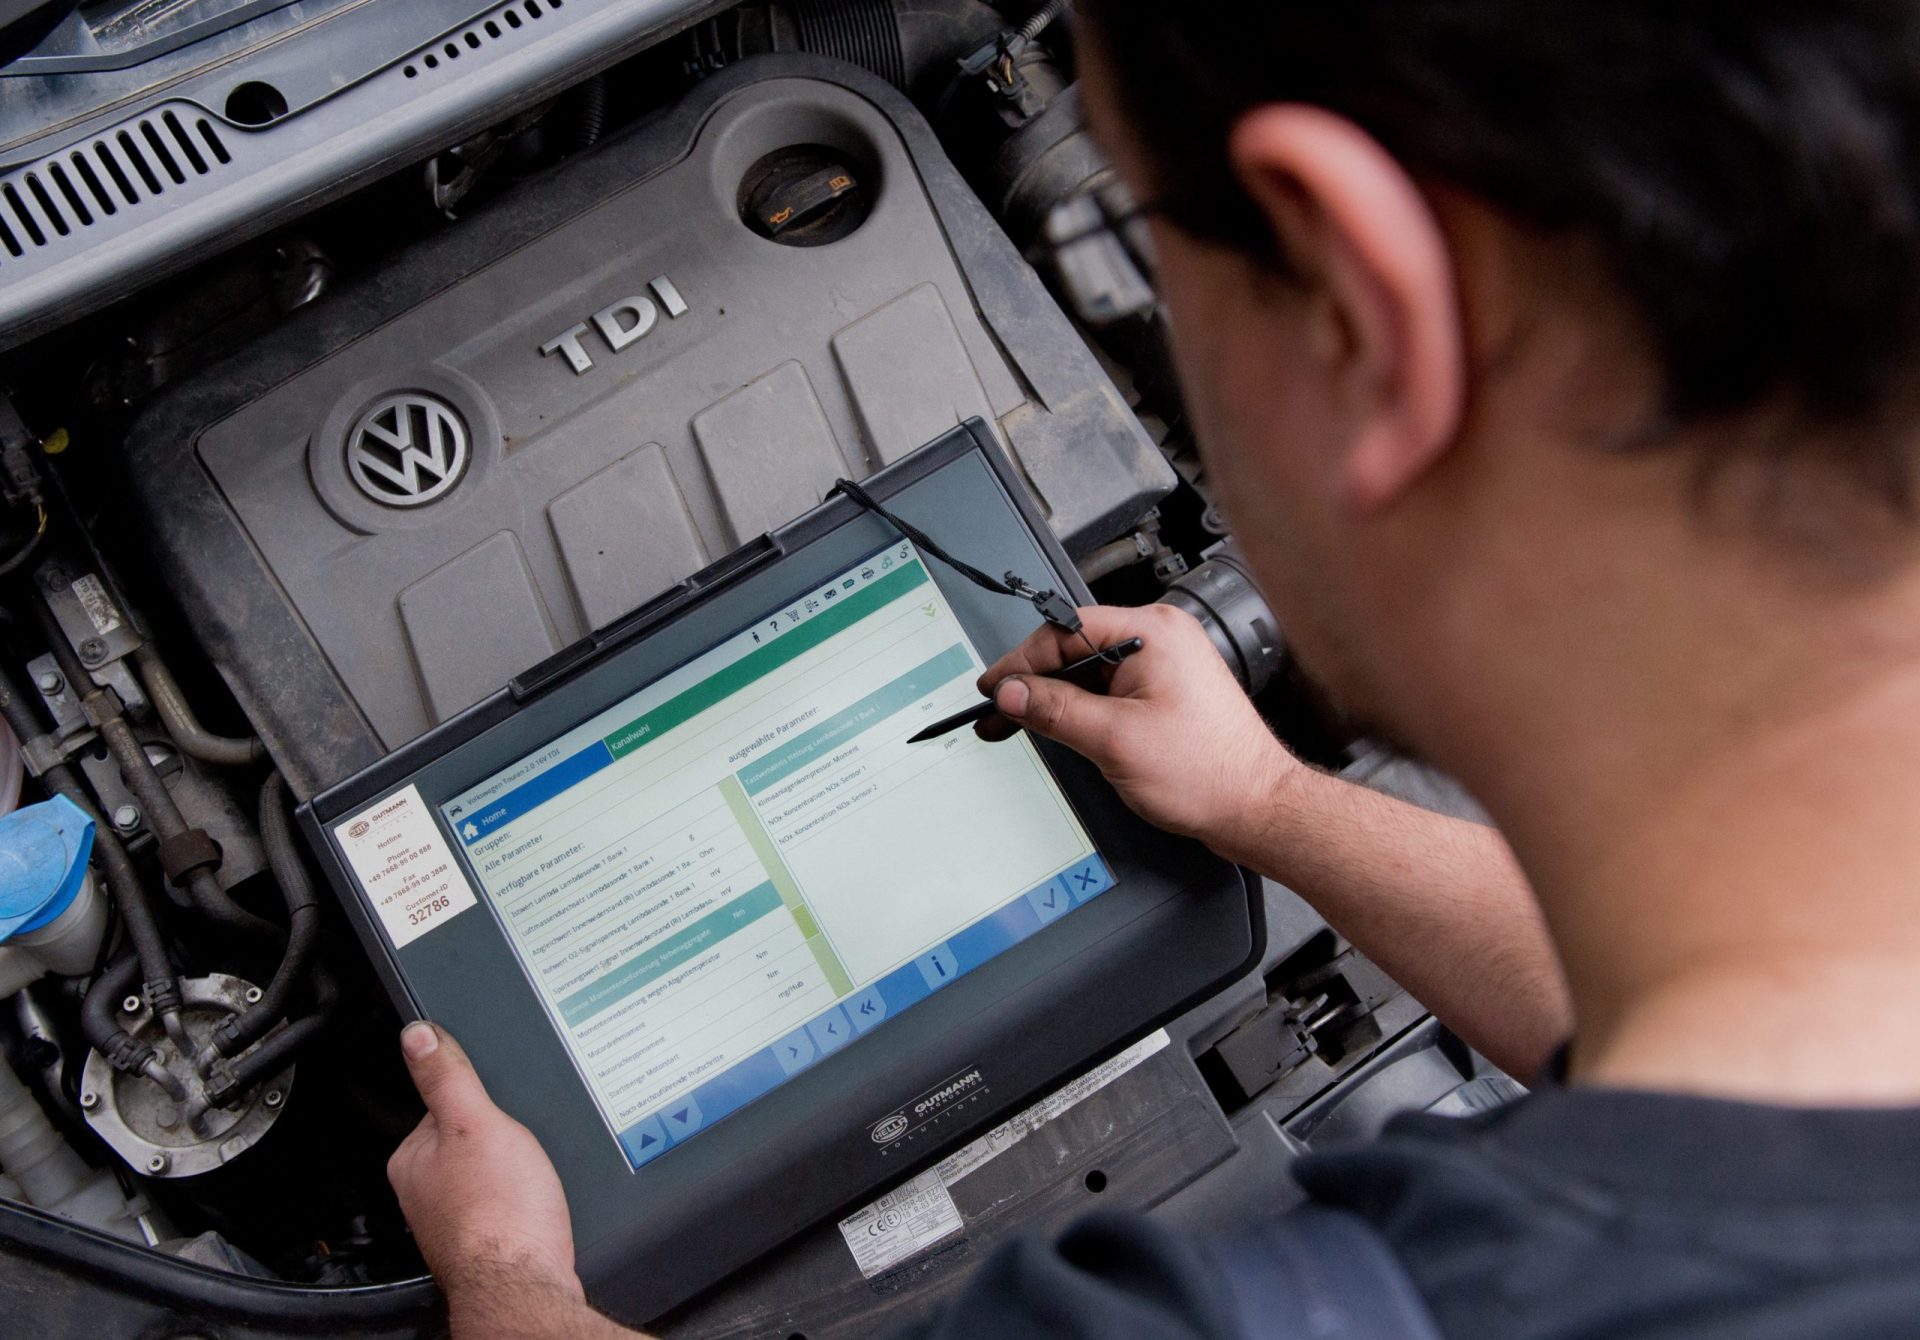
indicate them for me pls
(402, 862)
(1019, 1126)
(93, 598)
(919, 1213)
(906, 1219)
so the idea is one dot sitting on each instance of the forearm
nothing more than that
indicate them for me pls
(497, 1298)
(1438, 903)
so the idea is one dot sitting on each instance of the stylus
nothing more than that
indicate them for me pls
(1113, 655)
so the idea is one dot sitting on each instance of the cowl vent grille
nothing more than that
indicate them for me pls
(127, 166)
(91, 212)
(503, 22)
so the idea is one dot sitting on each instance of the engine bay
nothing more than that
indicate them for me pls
(293, 490)
(625, 382)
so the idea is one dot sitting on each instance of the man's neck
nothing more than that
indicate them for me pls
(1751, 930)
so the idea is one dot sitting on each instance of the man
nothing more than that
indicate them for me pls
(1557, 365)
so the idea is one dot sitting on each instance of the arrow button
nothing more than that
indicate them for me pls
(868, 1008)
(644, 1141)
(683, 1119)
(830, 1031)
(795, 1052)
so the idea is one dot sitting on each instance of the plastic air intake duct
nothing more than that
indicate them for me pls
(1220, 593)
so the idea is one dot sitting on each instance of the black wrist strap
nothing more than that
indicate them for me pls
(1055, 608)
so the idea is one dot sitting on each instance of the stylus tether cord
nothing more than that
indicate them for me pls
(1055, 608)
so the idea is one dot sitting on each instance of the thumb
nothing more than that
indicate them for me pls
(443, 1074)
(1082, 721)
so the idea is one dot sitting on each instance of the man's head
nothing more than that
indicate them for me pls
(1532, 342)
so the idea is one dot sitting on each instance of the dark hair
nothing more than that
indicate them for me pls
(1749, 169)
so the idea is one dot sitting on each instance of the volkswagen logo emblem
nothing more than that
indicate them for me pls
(408, 449)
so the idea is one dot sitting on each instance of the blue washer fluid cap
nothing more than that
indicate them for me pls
(43, 858)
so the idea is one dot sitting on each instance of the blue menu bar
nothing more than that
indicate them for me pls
(746, 1080)
(534, 792)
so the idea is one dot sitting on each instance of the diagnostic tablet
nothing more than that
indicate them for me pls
(734, 949)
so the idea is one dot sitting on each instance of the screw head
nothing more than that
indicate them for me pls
(127, 818)
(157, 1164)
(131, 1005)
(273, 1098)
(89, 1100)
(50, 683)
(92, 650)
(252, 995)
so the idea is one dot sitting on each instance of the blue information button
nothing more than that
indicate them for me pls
(831, 1031)
(682, 1118)
(867, 1009)
(644, 1141)
(795, 1052)
(938, 965)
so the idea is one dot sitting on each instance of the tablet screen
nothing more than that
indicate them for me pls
(742, 867)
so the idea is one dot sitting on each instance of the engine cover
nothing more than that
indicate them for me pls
(526, 428)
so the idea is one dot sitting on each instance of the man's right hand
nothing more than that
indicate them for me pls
(1438, 903)
(1174, 733)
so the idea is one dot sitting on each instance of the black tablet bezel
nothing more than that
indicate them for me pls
(1178, 923)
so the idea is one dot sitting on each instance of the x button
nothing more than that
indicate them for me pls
(1088, 879)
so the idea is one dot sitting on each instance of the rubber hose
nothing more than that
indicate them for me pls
(277, 1051)
(1042, 19)
(590, 112)
(303, 924)
(1110, 558)
(165, 818)
(136, 769)
(129, 897)
(78, 677)
(194, 739)
(13, 771)
(19, 713)
(100, 1015)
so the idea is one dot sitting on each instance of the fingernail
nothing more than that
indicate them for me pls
(1012, 698)
(418, 1040)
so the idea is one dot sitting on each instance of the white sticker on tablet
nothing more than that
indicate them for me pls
(905, 1221)
(917, 1214)
(404, 865)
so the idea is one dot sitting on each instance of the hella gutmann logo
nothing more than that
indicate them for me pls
(956, 1091)
(624, 322)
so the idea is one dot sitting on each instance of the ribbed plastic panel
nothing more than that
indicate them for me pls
(125, 203)
(865, 32)
(139, 162)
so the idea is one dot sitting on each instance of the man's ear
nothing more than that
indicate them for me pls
(1356, 230)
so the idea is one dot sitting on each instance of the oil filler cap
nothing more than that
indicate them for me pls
(806, 196)
(43, 859)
